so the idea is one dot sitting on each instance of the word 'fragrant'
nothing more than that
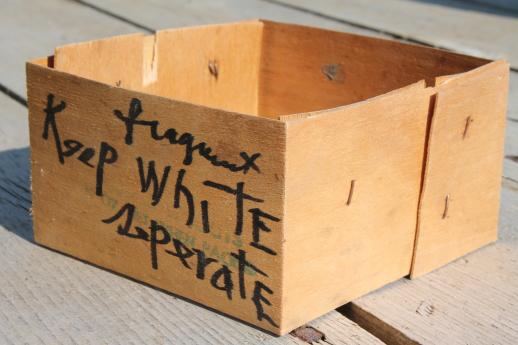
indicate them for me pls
(185, 139)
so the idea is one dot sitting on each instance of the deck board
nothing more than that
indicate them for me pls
(512, 112)
(160, 14)
(32, 29)
(462, 26)
(511, 150)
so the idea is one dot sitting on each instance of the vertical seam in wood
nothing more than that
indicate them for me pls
(149, 60)
(429, 124)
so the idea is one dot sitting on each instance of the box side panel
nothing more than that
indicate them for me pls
(208, 227)
(352, 188)
(306, 69)
(461, 191)
(116, 61)
(216, 65)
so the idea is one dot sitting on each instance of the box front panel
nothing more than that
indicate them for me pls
(353, 182)
(185, 198)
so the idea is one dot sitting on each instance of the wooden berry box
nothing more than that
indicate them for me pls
(272, 172)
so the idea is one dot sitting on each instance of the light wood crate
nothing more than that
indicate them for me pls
(269, 171)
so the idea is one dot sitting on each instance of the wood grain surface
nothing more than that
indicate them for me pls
(458, 210)
(472, 300)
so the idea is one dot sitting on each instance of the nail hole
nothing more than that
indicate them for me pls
(351, 190)
(446, 206)
(333, 72)
(469, 120)
(213, 68)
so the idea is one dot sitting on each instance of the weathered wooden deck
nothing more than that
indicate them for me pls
(48, 298)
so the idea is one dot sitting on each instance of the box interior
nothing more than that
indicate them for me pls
(259, 67)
